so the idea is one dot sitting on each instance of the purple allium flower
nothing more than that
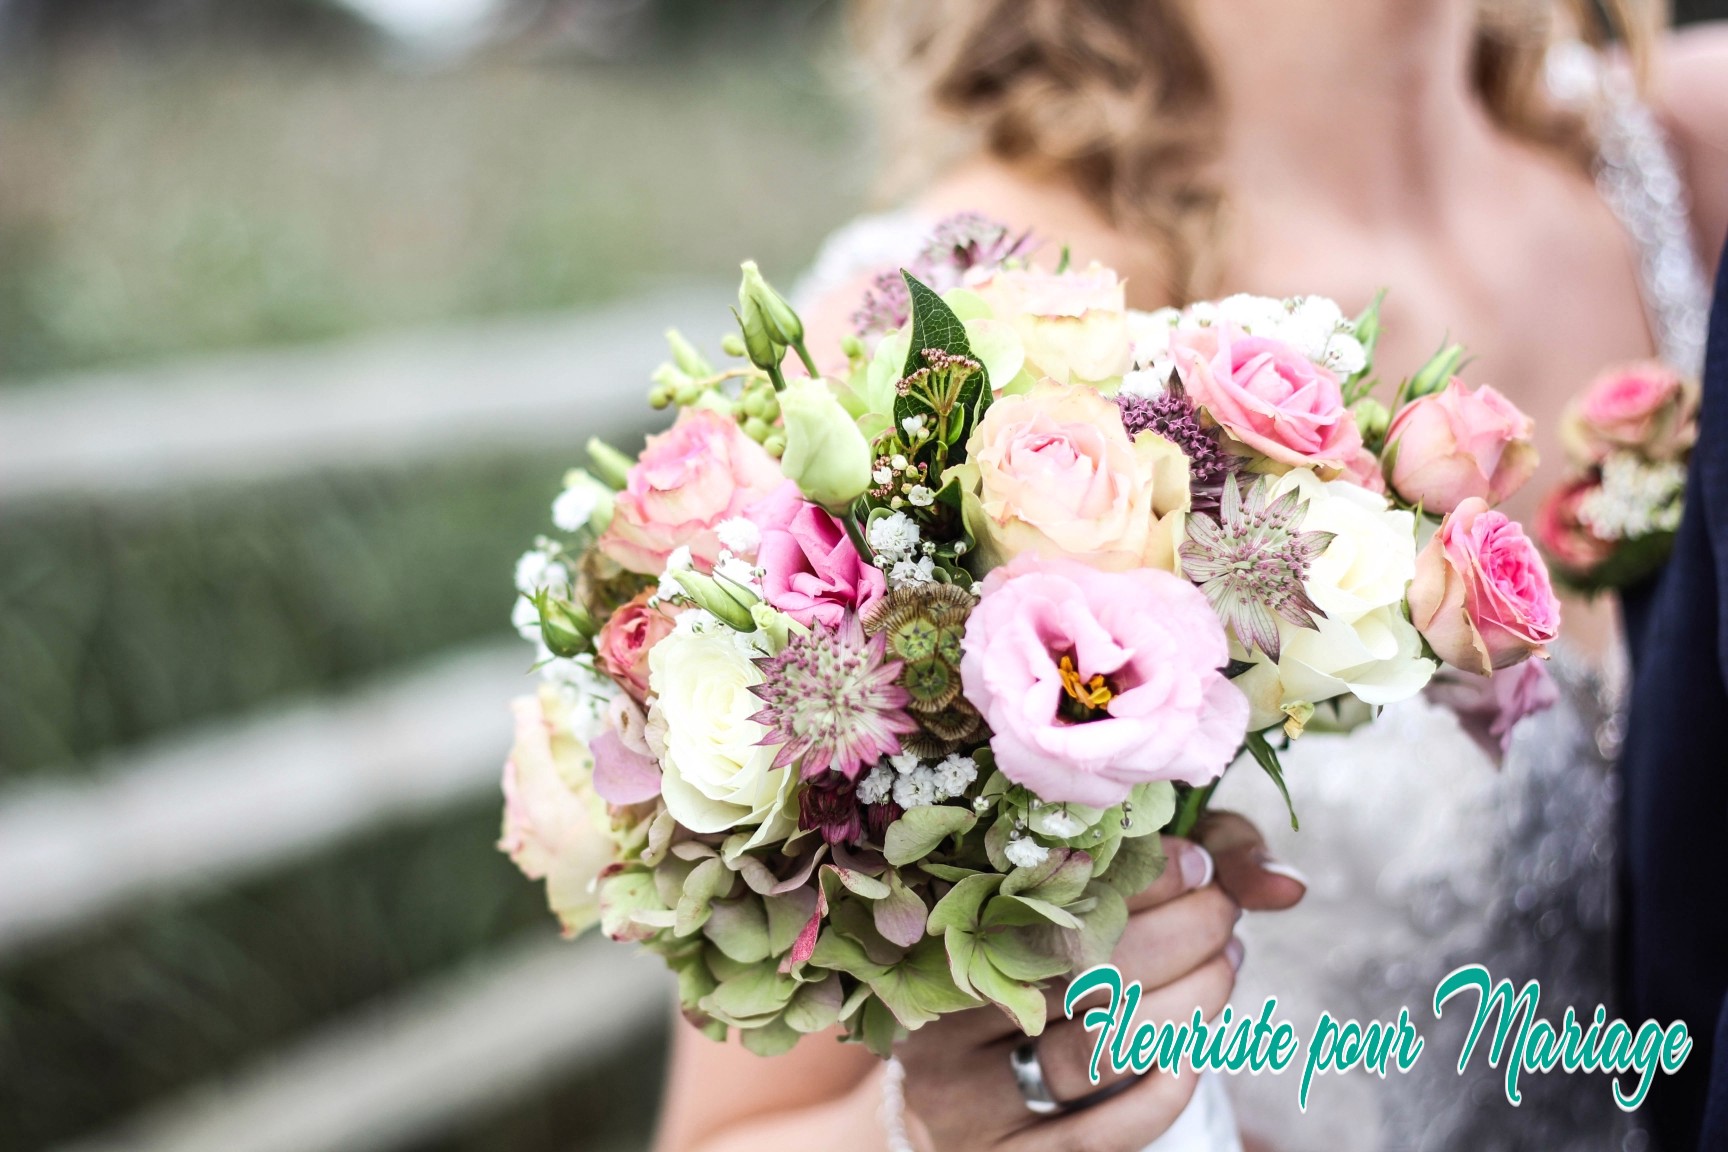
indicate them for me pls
(828, 804)
(832, 699)
(1172, 416)
(1251, 562)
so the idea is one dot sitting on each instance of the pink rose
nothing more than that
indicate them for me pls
(1364, 472)
(1481, 595)
(811, 571)
(556, 827)
(1491, 707)
(1563, 535)
(1093, 682)
(1455, 444)
(621, 647)
(1054, 472)
(1644, 406)
(1269, 396)
(689, 478)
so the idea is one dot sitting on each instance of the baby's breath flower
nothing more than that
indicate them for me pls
(739, 536)
(894, 537)
(877, 784)
(1025, 852)
(1635, 498)
(920, 496)
(909, 572)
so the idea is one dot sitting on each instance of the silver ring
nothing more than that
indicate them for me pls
(1029, 1078)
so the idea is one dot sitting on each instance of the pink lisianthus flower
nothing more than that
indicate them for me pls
(1481, 596)
(1272, 399)
(622, 645)
(1457, 443)
(1491, 707)
(1646, 407)
(811, 570)
(1093, 682)
(689, 478)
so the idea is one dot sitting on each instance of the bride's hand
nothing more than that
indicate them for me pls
(1179, 945)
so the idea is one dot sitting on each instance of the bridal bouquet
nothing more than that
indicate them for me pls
(870, 682)
(1629, 435)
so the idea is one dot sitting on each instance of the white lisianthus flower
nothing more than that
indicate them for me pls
(716, 774)
(1364, 645)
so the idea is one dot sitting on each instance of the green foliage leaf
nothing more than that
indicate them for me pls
(707, 880)
(900, 916)
(1021, 1001)
(962, 908)
(917, 833)
(815, 1006)
(787, 915)
(1150, 807)
(1025, 911)
(1101, 927)
(920, 988)
(1136, 864)
(1267, 757)
(753, 995)
(775, 1038)
(739, 928)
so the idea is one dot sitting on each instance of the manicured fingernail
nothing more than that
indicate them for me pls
(1279, 868)
(1233, 953)
(1196, 865)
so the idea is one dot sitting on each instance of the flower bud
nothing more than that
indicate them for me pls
(783, 323)
(730, 602)
(732, 344)
(566, 628)
(610, 465)
(825, 452)
(684, 354)
(1372, 418)
(1432, 376)
(759, 344)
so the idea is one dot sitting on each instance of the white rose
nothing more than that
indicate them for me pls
(716, 774)
(1073, 325)
(1364, 646)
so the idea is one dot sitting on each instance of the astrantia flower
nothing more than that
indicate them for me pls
(832, 699)
(958, 245)
(829, 806)
(1171, 415)
(1251, 562)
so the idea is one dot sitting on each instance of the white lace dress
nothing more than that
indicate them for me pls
(1421, 855)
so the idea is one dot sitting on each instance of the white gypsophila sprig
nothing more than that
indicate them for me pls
(739, 571)
(1313, 325)
(906, 573)
(877, 785)
(679, 561)
(540, 569)
(739, 536)
(955, 773)
(1636, 498)
(1025, 852)
(894, 537)
(585, 691)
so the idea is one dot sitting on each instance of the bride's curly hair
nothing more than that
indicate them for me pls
(1117, 98)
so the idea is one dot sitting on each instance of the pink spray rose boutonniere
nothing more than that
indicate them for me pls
(1094, 682)
(701, 471)
(1278, 403)
(1644, 407)
(1456, 443)
(1481, 595)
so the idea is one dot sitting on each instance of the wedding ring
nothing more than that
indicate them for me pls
(1029, 1078)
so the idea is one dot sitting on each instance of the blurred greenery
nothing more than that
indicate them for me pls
(183, 988)
(163, 203)
(123, 620)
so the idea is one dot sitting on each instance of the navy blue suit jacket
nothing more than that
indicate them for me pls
(1674, 962)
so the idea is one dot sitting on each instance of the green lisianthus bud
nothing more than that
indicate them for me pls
(783, 322)
(1372, 418)
(684, 354)
(728, 601)
(825, 453)
(759, 344)
(610, 465)
(566, 628)
(1432, 376)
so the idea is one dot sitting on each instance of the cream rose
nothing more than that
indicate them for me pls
(1053, 472)
(556, 828)
(1363, 646)
(716, 774)
(1073, 325)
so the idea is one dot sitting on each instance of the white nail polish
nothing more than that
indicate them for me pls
(1196, 866)
(1288, 871)
(1234, 952)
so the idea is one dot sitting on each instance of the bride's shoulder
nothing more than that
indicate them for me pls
(1692, 98)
